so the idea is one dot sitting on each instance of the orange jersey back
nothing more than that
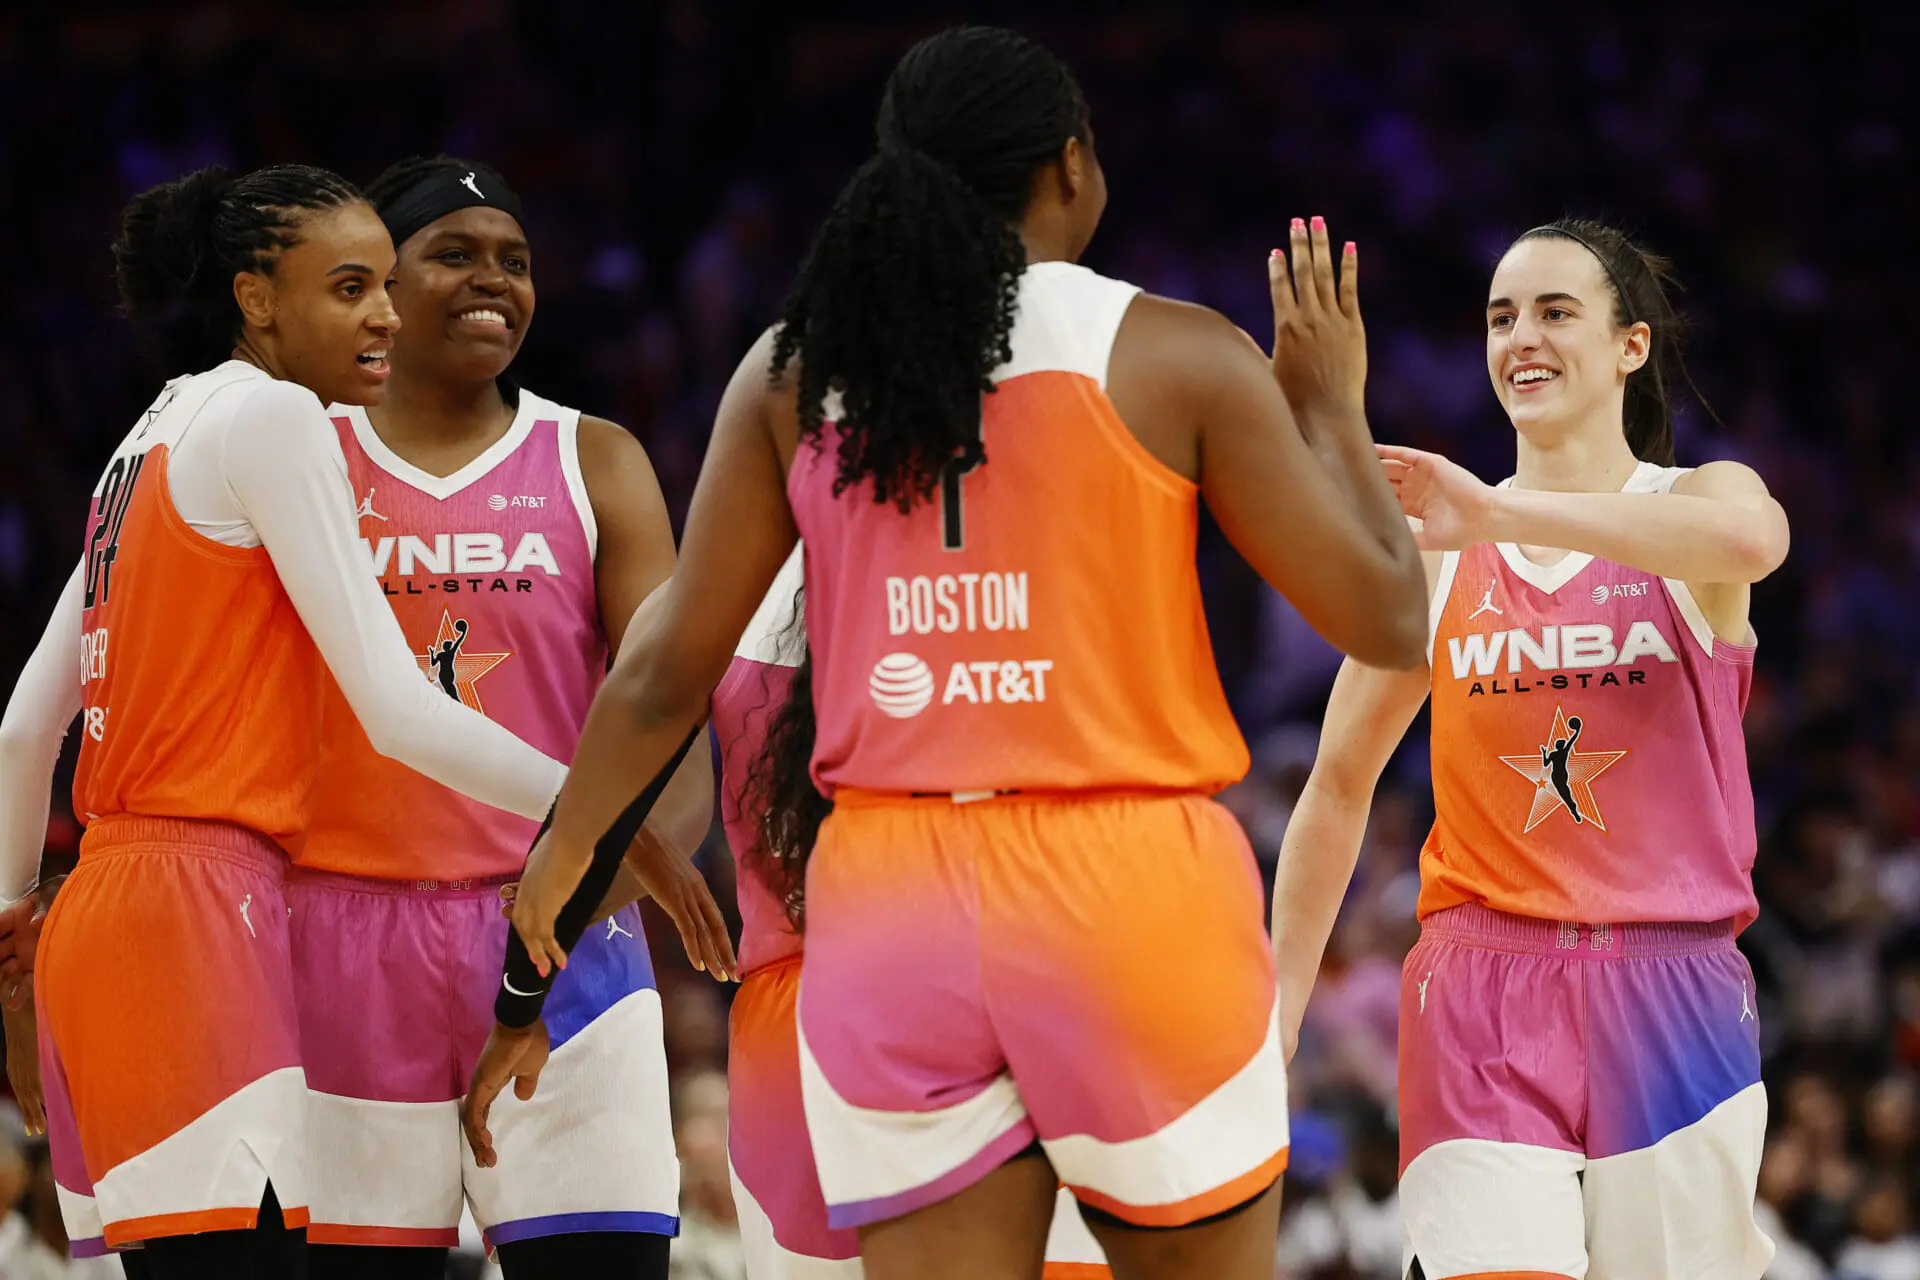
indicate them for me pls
(200, 684)
(1038, 626)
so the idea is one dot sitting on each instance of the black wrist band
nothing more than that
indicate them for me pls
(523, 992)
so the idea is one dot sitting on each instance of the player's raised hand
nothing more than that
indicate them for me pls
(511, 1053)
(671, 879)
(1451, 503)
(1319, 342)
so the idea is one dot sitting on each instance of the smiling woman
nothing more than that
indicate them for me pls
(1589, 663)
(515, 537)
(221, 563)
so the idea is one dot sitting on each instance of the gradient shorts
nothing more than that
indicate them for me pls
(1579, 1100)
(1091, 972)
(395, 983)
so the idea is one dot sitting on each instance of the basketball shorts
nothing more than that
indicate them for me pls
(776, 1192)
(1091, 972)
(169, 1053)
(395, 983)
(1580, 1100)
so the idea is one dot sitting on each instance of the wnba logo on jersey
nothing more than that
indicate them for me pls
(1562, 775)
(452, 667)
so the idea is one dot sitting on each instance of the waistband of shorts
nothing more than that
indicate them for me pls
(860, 798)
(774, 966)
(472, 886)
(123, 833)
(1481, 926)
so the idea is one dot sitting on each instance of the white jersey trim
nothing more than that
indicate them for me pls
(570, 468)
(441, 487)
(1066, 320)
(1442, 591)
(767, 639)
(1646, 478)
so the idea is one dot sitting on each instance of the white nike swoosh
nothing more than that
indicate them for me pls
(508, 984)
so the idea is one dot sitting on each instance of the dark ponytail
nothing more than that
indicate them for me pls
(905, 302)
(182, 243)
(780, 786)
(1643, 284)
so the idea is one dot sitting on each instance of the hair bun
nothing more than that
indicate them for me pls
(166, 237)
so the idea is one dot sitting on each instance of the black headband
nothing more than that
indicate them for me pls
(442, 192)
(1619, 290)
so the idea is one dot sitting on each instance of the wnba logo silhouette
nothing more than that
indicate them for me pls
(453, 668)
(901, 685)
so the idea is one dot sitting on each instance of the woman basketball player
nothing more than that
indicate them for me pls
(222, 580)
(1034, 943)
(1579, 1064)
(555, 530)
(763, 719)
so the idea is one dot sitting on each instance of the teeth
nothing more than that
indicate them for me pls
(485, 316)
(1533, 375)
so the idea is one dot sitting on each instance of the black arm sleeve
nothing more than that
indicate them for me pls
(523, 991)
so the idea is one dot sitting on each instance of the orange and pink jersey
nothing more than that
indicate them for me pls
(490, 571)
(1012, 634)
(1083, 964)
(1588, 759)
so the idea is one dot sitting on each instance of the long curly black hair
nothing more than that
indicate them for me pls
(779, 784)
(905, 302)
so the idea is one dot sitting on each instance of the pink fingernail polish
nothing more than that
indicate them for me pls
(1299, 224)
(1319, 223)
(1352, 248)
(1274, 254)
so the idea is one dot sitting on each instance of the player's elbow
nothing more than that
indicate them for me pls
(1762, 543)
(1393, 634)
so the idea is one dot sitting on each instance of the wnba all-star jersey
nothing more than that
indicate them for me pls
(752, 691)
(1588, 758)
(1038, 625)
(210, 703)
(490, 572)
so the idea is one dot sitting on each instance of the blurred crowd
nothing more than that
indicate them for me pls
(674, 156)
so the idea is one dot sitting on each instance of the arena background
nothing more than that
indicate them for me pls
(675, 156)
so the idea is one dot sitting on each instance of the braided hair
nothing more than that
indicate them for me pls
(905, 302)
(182, 243)
(779, 784)
(1642, 283)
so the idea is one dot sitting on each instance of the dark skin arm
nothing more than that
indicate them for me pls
(1282, 453)
(634, 556)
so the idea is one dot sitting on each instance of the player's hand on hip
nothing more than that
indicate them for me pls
(20, 941)
(516, 1054)
(23, 1061)
(671, 879)
(1451, 503)
(553, 873)
(1319, 342)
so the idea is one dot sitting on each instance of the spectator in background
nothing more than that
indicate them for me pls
(709, 1243)
(1883, 1246)
(33, 1241)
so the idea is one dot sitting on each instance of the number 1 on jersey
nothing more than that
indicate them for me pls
(953, 524)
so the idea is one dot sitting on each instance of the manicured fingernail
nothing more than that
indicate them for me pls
(1299, 224)
(1351, 249)
(1319, 223)
(1275, 254)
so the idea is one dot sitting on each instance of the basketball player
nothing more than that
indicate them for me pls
(1579, 1065)
(221, 581)
(514, 538)
(1020, 722)
(766, 740)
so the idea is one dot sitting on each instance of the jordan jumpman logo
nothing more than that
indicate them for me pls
(1486, 605)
